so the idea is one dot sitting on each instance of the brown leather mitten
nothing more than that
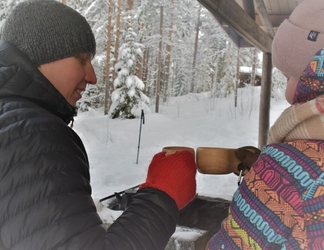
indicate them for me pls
(247, 156)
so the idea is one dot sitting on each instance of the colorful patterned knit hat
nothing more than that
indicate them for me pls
(311, 81)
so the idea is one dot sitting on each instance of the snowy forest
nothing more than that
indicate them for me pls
(149, 51)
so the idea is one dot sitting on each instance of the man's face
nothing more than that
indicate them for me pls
(70, 76)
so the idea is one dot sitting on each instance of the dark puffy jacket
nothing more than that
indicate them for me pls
(45, 193)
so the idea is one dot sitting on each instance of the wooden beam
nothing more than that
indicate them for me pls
(276, 20)
(265, 97)
(248, 6)
(239, 41)
(265, 17)
(236, 39)
(236, 17)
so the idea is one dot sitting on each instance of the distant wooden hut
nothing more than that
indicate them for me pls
(245, 76)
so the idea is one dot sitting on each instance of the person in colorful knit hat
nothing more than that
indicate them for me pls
(280, 202)
(46, 52)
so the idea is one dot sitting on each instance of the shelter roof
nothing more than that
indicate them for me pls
(251, 23)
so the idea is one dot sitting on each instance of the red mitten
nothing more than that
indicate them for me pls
(174, 174)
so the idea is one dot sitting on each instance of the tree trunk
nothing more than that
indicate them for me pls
(228, 60)
(130, 5)
(109, 87)
(145, 66)
(158, 84)
(129, 16)
(139, 67)
(167, 63)
(237, 76)
(64, 2)
(118, 17)
(255, 56)
(252, 82)
(173, 78)
(192, 89)
(140, 60)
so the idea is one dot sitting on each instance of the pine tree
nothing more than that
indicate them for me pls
(128, 98)
(5, 9)
(96, 13)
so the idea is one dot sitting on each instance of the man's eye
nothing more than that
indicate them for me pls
(82, 58)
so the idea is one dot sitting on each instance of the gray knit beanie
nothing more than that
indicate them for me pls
(47, 30)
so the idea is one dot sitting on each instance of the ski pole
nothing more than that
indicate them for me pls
(121, 192)
(140, 132)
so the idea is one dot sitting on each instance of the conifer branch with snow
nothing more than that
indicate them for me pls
(128, 99)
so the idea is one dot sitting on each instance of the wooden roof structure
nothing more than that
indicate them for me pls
(253, 23)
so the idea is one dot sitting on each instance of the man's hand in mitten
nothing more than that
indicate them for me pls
(173, 174)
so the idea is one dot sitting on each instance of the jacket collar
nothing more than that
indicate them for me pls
(20, 77)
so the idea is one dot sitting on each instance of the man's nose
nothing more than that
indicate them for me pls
(90, 76)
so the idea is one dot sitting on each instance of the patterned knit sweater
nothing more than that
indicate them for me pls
(280, 202)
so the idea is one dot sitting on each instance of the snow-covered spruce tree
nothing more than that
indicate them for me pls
(128, 99)
(279, 82)
(5, 8)
(96, 12)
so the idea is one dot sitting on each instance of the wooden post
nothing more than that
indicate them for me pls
(264, 118)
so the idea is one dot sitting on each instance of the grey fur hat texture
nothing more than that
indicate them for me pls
(47, 30)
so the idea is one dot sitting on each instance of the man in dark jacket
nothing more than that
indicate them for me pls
(45, 193)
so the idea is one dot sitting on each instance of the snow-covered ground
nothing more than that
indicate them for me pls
(195, 120)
